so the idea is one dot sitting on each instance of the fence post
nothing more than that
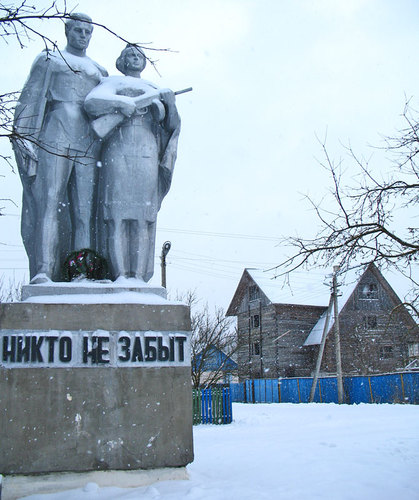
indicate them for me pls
(230, 409)
(227, 406)
(369, 383)
(204, 406)
(216, 405)
(209, 406)
(197, 410)
(403, 395)
(209, 392)
(194, 406)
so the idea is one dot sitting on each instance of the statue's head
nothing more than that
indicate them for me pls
(132, 59)
(78, 30)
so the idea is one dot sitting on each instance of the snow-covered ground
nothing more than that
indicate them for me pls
(286, 451)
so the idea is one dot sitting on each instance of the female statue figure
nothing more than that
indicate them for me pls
(140, 126)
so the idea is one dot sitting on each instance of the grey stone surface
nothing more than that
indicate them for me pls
(96, 418)
(140, 126)
(27, 316)
(56, 153)
(91, 288)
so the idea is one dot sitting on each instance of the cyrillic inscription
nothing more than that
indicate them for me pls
(24, 349)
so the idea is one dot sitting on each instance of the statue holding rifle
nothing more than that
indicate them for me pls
(140, 127)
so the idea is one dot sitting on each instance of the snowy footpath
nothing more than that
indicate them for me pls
(286, 451)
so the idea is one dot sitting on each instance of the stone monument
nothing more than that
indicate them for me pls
(95, 376)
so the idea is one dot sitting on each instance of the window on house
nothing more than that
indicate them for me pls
(413, 350)
(253, 292)
(255, 321)
(369, 322)
(256, 348)
(369, 291)
(386, 352)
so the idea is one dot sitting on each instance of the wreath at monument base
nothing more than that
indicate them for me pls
(84, 264)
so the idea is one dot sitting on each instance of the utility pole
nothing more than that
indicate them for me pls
(337, 335)
(164, 251)
(250, 341)
(262, 374)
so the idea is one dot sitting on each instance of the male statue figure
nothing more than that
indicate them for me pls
(138, 158)
(56, 153)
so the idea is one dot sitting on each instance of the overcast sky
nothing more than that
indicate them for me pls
(268, 77)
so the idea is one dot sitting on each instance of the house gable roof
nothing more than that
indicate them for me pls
(246, 280)
(305, 294)
(215, 359)
(276, 292)
(348, 284)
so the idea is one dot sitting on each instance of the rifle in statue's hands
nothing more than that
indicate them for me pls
(104, 125)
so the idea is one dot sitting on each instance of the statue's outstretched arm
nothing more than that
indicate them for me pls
(104, 99)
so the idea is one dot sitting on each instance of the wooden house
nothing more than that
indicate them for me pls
(279, 330)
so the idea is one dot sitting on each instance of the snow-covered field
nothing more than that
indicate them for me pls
(286, 451)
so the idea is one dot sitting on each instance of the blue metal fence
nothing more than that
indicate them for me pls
(411, 387)
(388, 388)
(237, 393)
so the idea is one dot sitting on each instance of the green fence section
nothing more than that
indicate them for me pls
(212, 406)
(196, 406)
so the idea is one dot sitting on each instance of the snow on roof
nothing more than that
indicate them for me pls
(315, 336)
(347, 283)
(306, 288)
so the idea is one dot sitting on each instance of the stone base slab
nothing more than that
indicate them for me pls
(89, 287)
(105, 316)
(86, 419)
(18, 486)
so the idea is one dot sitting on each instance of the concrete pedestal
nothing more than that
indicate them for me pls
(94, 387)
(15, 487)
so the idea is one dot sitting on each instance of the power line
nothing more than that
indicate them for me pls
(199, 270)
(13, 269)
(201, 258)
(208, 265)
(10, 245)
(220, 235)
(14, 250)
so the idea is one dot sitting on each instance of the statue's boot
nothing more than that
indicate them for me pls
(40, 278)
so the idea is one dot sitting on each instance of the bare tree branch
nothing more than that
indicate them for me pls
(359, 223)
(211, 333)
(15, 22)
